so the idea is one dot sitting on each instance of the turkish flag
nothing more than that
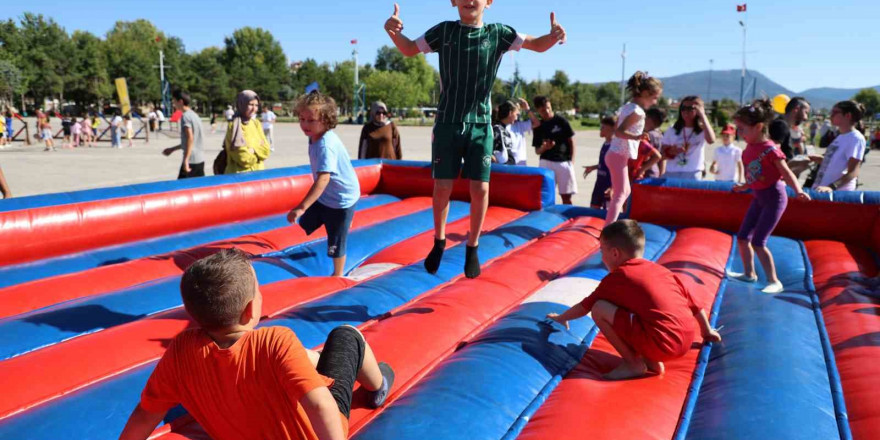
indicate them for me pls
(355, 41)
(741, 8)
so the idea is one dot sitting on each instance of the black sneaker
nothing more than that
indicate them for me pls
(380, 395)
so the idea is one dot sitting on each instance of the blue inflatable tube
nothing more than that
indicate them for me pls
(769, 377)
(100, 410)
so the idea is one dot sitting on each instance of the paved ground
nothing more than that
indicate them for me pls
(30, 170)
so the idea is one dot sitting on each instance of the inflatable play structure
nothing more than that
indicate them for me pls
(89, 300)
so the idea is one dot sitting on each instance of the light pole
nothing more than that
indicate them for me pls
(623, 75)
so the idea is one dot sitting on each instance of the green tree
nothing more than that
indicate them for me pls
(132, 50)
(87, 80)
(393, 88)
(309, 71)
(870, 98)
(416, 69)
(10, 80)
(256, 61)
(210, 85)
(43, 50)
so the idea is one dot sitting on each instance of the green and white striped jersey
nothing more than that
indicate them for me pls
(469, 60)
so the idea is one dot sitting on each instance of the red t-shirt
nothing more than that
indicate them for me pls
(250, 390)
(645, 151)
(759, 161)
(655, 295)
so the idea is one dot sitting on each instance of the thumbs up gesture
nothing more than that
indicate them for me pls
(394, 25)
(556, 30)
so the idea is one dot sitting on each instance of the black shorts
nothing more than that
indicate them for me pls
(341, 360)
(337, 222)
(195, 170)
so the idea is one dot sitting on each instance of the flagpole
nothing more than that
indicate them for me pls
(742, 82)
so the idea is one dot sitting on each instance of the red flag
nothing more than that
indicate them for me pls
(741, 8)
(355, 41)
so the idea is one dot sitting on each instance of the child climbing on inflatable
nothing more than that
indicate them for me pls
(470, 52)
(240, 382)
(644, 91)
(766, 174)
(602, 187)
(331, 199)
(641, 307)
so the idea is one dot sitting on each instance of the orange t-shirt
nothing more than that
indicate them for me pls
(250, 390)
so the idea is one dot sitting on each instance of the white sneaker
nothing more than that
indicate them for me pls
(741, 277)
(773, 288)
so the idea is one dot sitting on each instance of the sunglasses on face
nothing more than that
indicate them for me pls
(688, 108)
(381, 112)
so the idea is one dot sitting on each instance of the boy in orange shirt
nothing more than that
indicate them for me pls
(239, 382)
(640, 306)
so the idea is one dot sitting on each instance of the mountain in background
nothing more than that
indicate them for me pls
(726, 84)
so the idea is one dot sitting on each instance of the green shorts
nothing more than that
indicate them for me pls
(453, 143)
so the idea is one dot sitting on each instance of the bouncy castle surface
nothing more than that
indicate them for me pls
(89, 300)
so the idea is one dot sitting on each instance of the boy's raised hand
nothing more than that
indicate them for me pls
(394, 24)
(556, 29)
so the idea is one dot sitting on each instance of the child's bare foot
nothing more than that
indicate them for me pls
(627, 370)
(655, 367)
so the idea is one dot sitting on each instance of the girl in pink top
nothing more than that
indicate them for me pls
(765, 170)
(86, 131)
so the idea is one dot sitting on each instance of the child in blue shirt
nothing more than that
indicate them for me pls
(331, 199)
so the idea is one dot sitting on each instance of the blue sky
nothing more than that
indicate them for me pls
(799, 44)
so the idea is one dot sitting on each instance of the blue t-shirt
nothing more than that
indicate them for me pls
(328, 155)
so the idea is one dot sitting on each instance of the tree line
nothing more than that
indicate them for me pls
(39, 59)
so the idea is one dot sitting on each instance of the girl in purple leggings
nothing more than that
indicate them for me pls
(765, 170)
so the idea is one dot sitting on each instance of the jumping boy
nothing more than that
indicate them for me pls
(641, 307)
(239, 382)
(470, 52)
(331, 199)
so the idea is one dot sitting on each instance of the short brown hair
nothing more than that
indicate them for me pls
(325, 104)
(216, 289)
(626, 235)
(610, 121)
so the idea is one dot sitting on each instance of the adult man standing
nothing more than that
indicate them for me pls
(786, 131)
(193, 164)
(268, 126)
(554, 142)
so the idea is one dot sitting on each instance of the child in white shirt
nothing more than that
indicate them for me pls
(727, 163)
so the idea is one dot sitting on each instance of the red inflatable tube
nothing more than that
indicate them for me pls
(725, 211)
(32, 234)
(29, 296)
(852, 321)
(81, 361)
(520, 191)
(37, 233)
(414, 342)
(584, 404)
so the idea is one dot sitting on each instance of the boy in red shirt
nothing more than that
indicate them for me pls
(641, 307)
(239, 382)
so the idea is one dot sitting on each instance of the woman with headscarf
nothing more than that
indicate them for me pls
(246, 145)
(379, 138)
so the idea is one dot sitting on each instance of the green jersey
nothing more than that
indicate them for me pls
(469, 60)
